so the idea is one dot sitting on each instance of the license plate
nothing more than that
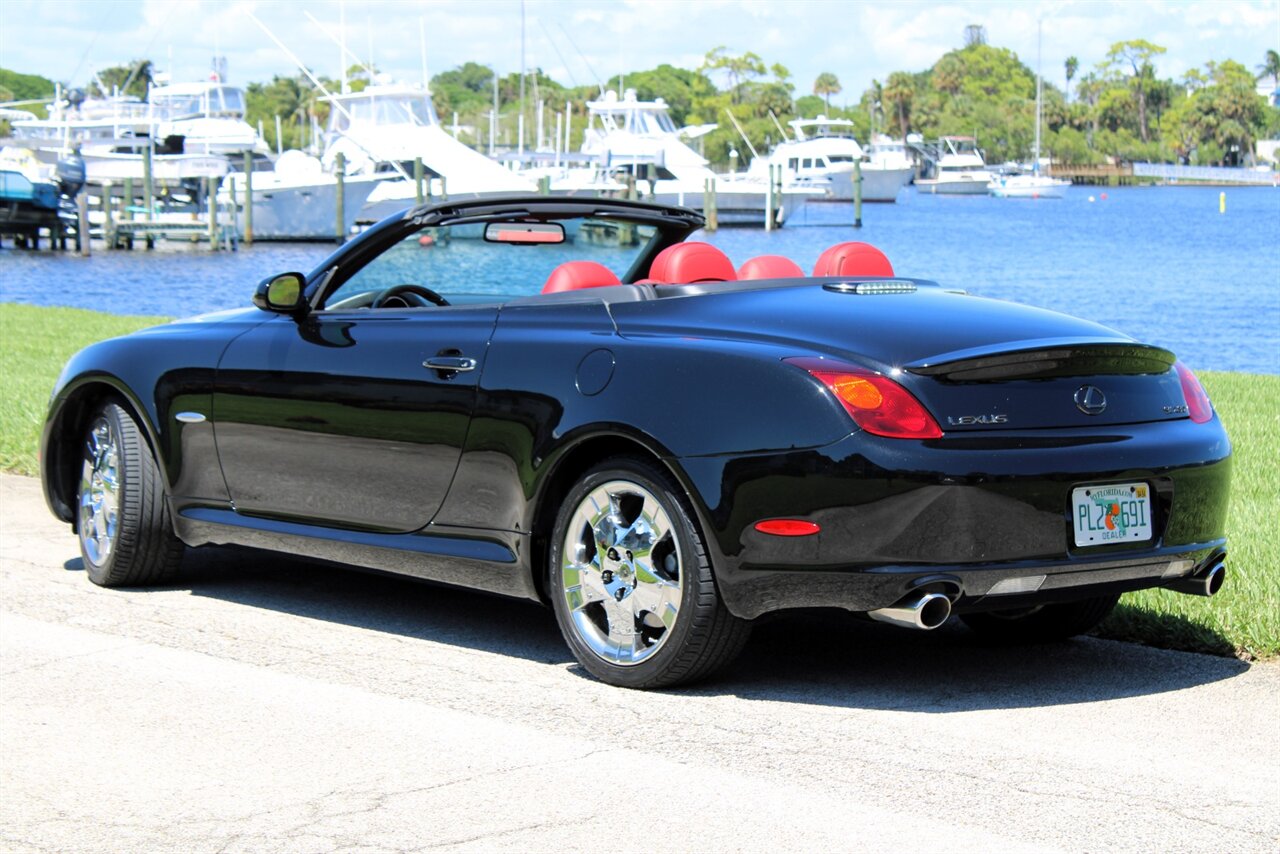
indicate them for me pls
(1120, 513)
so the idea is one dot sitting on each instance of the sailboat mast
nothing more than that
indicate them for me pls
(1035, 165)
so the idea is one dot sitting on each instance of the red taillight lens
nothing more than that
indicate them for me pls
(1198, 405)
(876, 403)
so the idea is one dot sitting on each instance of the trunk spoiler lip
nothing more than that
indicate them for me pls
(1045, 357)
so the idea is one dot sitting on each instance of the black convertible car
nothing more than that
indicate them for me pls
(564, 400)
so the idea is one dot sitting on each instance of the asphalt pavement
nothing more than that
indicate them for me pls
(266, 703)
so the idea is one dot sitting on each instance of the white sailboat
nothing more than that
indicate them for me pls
(1034, 185)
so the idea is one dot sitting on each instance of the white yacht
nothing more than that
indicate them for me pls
(298, 200)
(208, 116)
(961, 170)
(385, 126)
(626, 135)
(822, 158)
(110, 134)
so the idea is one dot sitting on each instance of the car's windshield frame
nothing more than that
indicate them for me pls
(672, 225)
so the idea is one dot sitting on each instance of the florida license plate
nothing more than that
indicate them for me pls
(1120, 513)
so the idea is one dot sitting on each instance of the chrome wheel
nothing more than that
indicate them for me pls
(99, 522)
(621, 572)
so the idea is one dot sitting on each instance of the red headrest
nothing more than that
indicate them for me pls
(770, 267)
(576, 275)
(853, 259)
(689, 263)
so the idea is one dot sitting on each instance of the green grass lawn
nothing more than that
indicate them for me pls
(35, 343)
(1243, 620)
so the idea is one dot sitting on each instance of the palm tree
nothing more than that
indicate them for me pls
(826, 85)
(1072, 66)
(1270, 66)
(900, 91)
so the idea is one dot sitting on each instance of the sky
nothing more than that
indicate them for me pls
(583, 41)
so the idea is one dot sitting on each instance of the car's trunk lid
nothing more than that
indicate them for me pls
(976, 363)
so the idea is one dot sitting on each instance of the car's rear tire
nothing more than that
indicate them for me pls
(631, 584)
(122, 517)
(1044, 623)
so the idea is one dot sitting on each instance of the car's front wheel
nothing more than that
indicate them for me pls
(1042, 623)
(631, 584)
(126, 537)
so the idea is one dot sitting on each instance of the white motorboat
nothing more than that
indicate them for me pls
(961, 171)
(1034, 185)
(822, 159)
(629, 136)
(382, 128)
(208, 116)
(297, 200)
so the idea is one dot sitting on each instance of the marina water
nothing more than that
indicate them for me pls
(1158, 263)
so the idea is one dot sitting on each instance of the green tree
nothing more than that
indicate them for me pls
(738, 70)
(132, 79)
(826, 85)
(1071, 66)
(1270, 66)
(1136, 55)
(899, 92)
(680, 88)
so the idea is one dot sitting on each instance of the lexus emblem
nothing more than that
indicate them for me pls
(1090, 400)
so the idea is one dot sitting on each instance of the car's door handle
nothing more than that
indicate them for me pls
(450, 363)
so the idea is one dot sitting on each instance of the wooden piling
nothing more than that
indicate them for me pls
(339, 170)
(444, 190)
(857, 194)
(769, 202)
(108, 217)
(128, 199)
(417, 180)
(709, 205)
(248, 199)
(82, 224)
(148, 184)
(211, 193)
(544, 185)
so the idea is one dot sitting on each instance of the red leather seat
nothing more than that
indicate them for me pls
(577, 275)
(853, 259)
(690, 263)
(770, 267)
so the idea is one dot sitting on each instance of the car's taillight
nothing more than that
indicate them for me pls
(1198, 405)
(876, 403)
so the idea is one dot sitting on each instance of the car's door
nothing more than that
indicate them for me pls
(342, 418)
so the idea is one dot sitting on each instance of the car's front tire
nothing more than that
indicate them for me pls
(126, 535)
(631, 584)
(1044, 623)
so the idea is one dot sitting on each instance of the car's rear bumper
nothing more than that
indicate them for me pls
(960, 514)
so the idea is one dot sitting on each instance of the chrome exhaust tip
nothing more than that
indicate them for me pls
(917, 611)
(1207, 583)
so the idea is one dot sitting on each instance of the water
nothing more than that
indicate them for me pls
(1160, 264)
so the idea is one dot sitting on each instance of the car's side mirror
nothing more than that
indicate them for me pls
(282, 293)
